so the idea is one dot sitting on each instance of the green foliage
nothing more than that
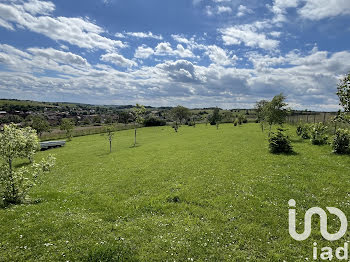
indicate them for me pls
(240, 119)
(11, 119)
(304, 130)
(235, 123)
(175, 126)
(180, 113)
(341, 142)
(68, 126)
(259, 108)
(226, 117)
(216, 117)
(124, 117)
(344, 92)
(318, 134)
(279, 142)
(15, 183)
(40, 124)
(138, 113)
(18, 142)
(153, 121)
(191, 122)
(299, 129)
(274, 112)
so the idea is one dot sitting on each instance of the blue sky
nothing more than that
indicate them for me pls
(198, 53)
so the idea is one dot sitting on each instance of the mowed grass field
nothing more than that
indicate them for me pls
(198, 195)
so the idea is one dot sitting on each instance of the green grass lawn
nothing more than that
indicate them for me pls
(198, 195)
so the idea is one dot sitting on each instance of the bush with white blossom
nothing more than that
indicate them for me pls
(15, 183)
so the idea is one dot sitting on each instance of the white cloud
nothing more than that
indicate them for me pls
(143, 52)
(118, 60)
(221, 1)
(243, 10)
(248, 35)
(319, 9)
(6, 25)
(39, 7)
(308, 80)
(40, 60)
(219, 56)
(209, 10)
(224, 9)
(144, 35)
(182, 52)
(180, 70)
(166, 49)
(75, 31)
(119, 35)
(275, 34)
(180, 39)
(59, 56)
(279, 8)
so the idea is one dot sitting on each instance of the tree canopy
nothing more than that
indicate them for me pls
(40, 124)
(343, 93)
(180, 113)
(274, 112)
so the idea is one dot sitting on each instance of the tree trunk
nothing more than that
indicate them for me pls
(270, 130)
(13, 189)
(110, 146)
(135, 138)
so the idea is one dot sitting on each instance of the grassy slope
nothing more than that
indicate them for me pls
(201, 193)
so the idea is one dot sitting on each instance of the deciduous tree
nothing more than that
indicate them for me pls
(40, 124)
(275, 112)
(19, 143)
(344, 98)
(259, 108)
(68, 126)
(178, 114)
(138, 113)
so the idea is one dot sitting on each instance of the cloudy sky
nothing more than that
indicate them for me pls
(198, 53)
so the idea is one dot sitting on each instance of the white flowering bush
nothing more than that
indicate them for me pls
(319, 134)
(15, 183)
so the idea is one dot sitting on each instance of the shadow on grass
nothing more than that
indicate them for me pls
(133, 146)
(298, 140)
(287, 154)
(22, 164)
(4, 205)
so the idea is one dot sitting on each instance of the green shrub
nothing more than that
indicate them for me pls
(152, 121)
(341, 142)
(240, 119)
(235, 123)
(279, 142)
(303, 130)
(15, 183)
(299, 129)
(318, 134)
